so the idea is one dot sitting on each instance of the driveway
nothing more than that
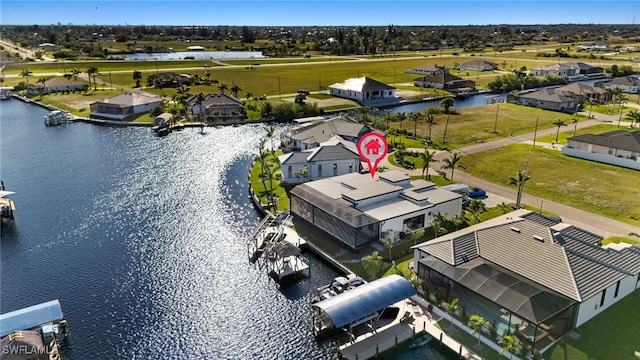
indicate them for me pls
(497, 193)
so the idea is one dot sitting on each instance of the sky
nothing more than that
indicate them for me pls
(316, 12)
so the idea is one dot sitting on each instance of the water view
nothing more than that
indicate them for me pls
(192, 55)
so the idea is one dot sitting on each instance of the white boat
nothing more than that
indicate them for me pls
(57, 117)
(7, 207)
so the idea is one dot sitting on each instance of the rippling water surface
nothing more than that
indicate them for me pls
(143, 239)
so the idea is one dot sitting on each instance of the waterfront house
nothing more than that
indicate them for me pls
(123, 105)
(357, 209)
(364, 90)
(331, 158)
(478, 65)
(445, 81)
(533, 276)
(574, 71)
(169, 79)
(310, 134)
(629, 84)
(555, 69)
(56, 85)
(217, 106)
(549, 98)
(618, 147)
(426, 69)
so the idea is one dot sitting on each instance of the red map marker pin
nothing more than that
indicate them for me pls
(372, 148)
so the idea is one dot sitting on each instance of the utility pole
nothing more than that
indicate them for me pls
(535, 132)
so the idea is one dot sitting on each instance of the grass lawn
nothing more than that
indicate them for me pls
(599, 188)
(261, 190)
(620, 239)
(76, 103)
(564, 135)
(613, 334)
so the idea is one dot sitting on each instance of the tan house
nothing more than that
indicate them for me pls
(56, 85)
(445, 81)
(426, 69)
(629, 84)
(217, 106)
(619, 147)
(123, 105)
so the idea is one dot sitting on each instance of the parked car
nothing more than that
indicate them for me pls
(476, 193)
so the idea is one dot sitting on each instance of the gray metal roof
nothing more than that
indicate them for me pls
(617, 139)
(355, 304)
(323, 130)
(332, 152)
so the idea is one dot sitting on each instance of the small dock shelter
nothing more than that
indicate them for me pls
(30, 317)
(361, 305)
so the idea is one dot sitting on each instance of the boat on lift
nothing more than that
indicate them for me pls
(57, 117)
(7, 207)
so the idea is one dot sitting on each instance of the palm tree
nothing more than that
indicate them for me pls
(558, 123)
(372, 264)
(303, 173)
(137, 76)
(509, 344)
(574, 120)
(200, 98)
(519, 180)
(446, 103)
(618, 93)
(235, 89)
(183, 92)
(25, 73)
(427, 157)
(388, 115)
(611, 93)
(415, 116)
(249, 96)
(271, 132)
(75, 72)
(92, 71)
(476, 323)
(622, 99)
(222, 87)
(401, 116)
(452, 163)
(590, 102)
(633, 116)
(430, 121)
(451, 308)
(42, 80)
(475, 208)
(439, 223)
(387, 241)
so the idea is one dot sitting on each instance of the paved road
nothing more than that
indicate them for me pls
(592, 222)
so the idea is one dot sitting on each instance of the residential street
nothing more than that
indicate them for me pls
(592, 222)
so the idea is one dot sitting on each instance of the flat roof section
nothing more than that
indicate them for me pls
(355, 304)
(30, 317)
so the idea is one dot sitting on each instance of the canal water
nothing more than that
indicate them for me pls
(195, 55)
(143, 240)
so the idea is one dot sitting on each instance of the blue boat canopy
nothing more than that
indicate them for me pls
(30, 317)
(355, 304)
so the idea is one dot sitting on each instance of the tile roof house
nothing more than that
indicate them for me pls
(478, 65)
(445, 81)
(559, 97)
(619, 147)
(629, 84)
(574, 71)
(426, 69)
(216, 106)
(312, 133)
(123, 105)
(331, 158)
(364, 90)
(532, 275)
(357, 209)
(56, 85)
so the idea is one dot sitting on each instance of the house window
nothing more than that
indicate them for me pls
(319, 170)
(289, 172)
(335, 169)
(350, 168)
(604, 295)
(615, 294)
(610, 151)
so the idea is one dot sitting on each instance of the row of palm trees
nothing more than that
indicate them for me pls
(92, 71)
(477, 323)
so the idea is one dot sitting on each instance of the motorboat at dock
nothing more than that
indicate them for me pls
(7, 206)
(339, 285)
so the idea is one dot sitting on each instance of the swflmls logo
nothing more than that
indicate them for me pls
(24, 350)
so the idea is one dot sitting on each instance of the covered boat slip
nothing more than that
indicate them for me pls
(30, 317)
(361, 304)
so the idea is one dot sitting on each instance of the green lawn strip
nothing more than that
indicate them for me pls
(564, 135)
(76, 103)
(467, 340)
(620, 239)
(579, 183)
(261, 189)
(612, 334)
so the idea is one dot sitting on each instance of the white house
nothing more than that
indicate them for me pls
(123, 105)
(618, 147)
(357, 209)
(56, 85)
(528, 274)
(331, 158)
(426, 69)
(363, 90)
(629, 84)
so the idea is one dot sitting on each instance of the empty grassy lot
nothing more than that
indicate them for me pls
(599, 188)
